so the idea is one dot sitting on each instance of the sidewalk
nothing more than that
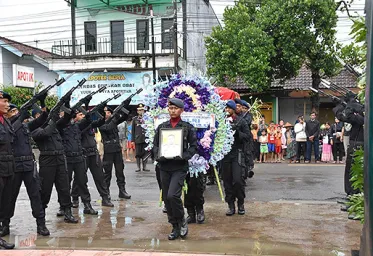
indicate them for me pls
(89, 253)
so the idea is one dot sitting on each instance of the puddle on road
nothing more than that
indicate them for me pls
(224, 246)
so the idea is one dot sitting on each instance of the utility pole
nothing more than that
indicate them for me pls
(73, 31)
(153, 47)
(174, 41)
(185, 29)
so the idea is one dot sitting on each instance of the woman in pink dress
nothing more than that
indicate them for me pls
(326, 155)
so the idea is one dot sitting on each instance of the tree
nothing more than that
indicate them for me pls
(293, 32)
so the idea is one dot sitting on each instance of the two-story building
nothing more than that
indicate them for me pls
(114, 39)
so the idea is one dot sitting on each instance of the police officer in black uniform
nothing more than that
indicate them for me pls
(93, 162)
(52, 161)
(6, 162)
(173, 171)
(138, 137)
(25, 166)
(233, 169)
(249, 147)
(113, 151)
(353, 113)
(72, 137)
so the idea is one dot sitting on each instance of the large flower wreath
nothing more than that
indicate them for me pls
(198, 96)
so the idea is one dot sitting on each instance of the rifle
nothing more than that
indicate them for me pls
(61, 103)
(86, 99)
(334, 98)
(124, 104)
(103, 104)
(31, 103)
(345, 92)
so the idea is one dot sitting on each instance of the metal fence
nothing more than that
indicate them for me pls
(104, 46)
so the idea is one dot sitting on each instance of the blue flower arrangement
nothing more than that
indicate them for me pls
(199, 96)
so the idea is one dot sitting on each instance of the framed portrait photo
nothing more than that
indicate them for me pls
(171, 142)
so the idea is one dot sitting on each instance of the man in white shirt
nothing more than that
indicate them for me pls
(300, 137)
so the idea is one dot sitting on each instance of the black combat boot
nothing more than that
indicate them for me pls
(4, 244)
(138, 161)
(191, 215)
(210, 180)
(75, 202)
(183, 228)
(106, 202)
(41, 228)
(69, 218)
(5, 228)
(123, 193)
(241, 208)
(232, 210)
(88, 209)
(200, 214)
(144, 166)
(175, 233)
(61, 212)
(164, 210)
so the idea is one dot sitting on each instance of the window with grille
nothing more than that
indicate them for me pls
(90, 36)
(167, 30)
(142, 31)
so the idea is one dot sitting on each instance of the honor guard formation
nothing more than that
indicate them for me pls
(65, 137)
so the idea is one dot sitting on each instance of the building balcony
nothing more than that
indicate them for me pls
(129, 47)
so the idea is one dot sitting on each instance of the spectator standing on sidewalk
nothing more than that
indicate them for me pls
(313, 134)
(271, 140)
(130, 144)
(255, 131)
(336, 135)
(123, 137)
(300, 137)
(326, 155)
(346, 136)
(291, 145)
(263, 140)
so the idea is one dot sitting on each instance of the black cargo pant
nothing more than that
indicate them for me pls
(350, 151)
(6, 184)
(140, 150)
(233, 179)
(93, 162)
(32, 184)
(55, 175)
(80, 176)
(196, 187)
(158, 176)
(338, 151)
(172, 185)
(115, 158)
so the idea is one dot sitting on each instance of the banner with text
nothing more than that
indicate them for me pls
(197, 119)
(125, 83)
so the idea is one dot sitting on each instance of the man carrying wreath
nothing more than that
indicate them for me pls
(174, 167)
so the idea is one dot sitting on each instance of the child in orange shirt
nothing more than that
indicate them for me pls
(271, 139)
(278, 144)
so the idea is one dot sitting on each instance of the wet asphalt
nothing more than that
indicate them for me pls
(291, 210)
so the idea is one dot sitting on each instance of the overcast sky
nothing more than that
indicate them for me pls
(40, 22)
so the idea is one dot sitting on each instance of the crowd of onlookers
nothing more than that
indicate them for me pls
(275, 143)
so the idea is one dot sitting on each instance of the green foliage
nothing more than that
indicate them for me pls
(357, 170)
(356, 202)
(271, 40)
(353, 54)
(22, 95)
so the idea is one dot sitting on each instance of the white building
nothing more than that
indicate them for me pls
(28, 65)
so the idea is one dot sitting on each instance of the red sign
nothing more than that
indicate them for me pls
(25, 76)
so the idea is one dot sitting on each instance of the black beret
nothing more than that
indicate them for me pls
(238, 101)
(12, 106)
(245, 104)
(177, 102)
(108, 109)
(231, 104)
(4, 95)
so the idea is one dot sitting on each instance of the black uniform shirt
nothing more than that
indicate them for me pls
(6, 152)
(88, 138)
(189, 150)
(138, 133)
(109, 134)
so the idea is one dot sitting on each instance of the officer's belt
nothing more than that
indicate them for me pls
(110, 142)
(89, 150)
(52, 153)
(23, 158)
(74, 153)
(6, 157)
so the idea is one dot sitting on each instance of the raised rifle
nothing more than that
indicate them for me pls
(31, 103)
(85, 100)
(103, 104)
(345, 92)
(334, 98)
(60, 106)
(123, 105)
